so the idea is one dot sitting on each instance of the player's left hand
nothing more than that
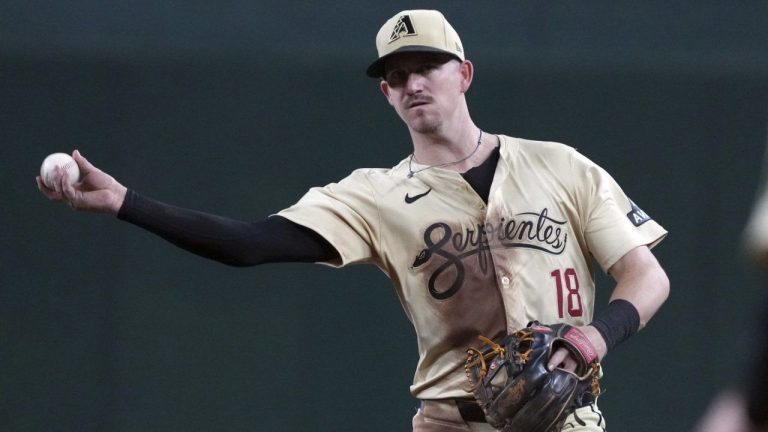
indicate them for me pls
(509, 381)
(562, 359)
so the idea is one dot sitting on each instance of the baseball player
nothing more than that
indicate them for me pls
(479, 232)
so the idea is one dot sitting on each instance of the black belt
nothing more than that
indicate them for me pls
(470, 411)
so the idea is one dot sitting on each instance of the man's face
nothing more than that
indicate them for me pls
(424, 88)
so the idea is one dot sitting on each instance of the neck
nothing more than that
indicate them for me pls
(452, 144)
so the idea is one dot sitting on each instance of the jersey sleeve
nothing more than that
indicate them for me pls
(613, 224)
(345, 214)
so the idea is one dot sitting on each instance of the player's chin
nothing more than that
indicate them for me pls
(423, 123)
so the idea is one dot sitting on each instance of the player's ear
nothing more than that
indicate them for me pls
(467, 71)
(384, 86)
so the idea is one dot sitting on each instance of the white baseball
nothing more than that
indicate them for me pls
(63, 160)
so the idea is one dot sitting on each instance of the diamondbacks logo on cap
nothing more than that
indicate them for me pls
(403, 27)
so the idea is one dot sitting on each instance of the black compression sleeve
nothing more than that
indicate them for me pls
(230, 241)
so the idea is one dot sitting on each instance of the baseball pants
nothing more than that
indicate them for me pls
(444, 416)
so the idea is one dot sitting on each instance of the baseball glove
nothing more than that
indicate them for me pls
(512, 385)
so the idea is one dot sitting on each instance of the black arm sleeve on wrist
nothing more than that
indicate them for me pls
(230, 241)
(617, 322)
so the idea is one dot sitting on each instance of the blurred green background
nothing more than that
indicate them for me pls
(238, 107)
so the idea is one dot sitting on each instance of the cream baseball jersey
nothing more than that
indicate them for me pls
(464, 268)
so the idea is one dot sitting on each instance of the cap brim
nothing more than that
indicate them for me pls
(376, 69)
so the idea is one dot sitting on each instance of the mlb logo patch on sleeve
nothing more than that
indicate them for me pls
(637, 216)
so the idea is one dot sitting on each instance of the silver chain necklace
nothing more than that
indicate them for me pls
(412, 173)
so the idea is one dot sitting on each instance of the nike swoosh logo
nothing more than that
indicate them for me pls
(411, 199)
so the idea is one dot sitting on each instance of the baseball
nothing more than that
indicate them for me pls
(63, 160)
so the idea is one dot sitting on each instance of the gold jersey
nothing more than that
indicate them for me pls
(461, 267)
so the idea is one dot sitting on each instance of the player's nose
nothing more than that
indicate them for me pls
(414, 83)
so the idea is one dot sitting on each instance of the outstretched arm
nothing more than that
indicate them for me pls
(230, 241)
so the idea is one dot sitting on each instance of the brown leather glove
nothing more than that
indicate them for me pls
(513, 386)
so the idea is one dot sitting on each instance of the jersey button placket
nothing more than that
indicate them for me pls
(505, 281)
